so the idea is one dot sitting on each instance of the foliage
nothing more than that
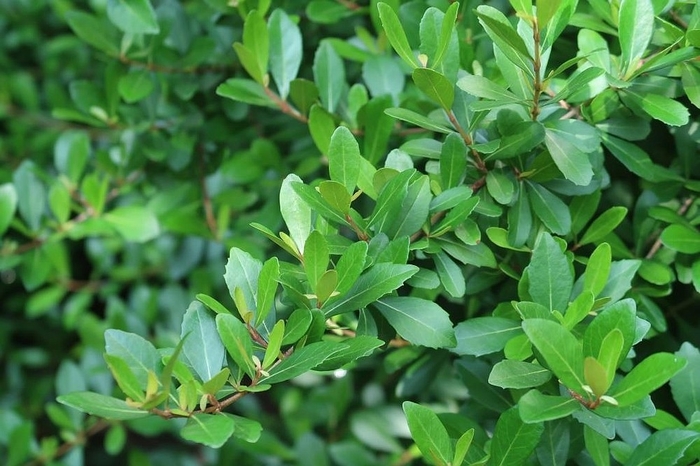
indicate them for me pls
(484, 214)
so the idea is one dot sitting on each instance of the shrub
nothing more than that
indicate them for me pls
(487, 251)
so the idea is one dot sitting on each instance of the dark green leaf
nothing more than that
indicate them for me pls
(322, 127)
(436, 86)
(136, 86)
(505, 37)
(453, 161)
(316, 257)
(663, 447)
(661, 108)
(551, 276)
(98, 33)
(513, 440)
(417, 320)
(637, 161)
(549, 208)
(8, 205)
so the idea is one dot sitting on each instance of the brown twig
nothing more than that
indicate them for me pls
(536, 65)
(681, 211)
(284, 106)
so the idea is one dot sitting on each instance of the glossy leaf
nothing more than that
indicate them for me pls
(505, 37)
(419, 321)
(535, 407)
(344, 158)
(664, 447)
(329, 75)
(518, 374)
(295, 212)
(551, 276)
(101, 405)
(453, 161)
(212, 430)
(636, 25)
(353, 349)
(450, 275)
(301, 361)
(484, 335)
(681, 238)
(549, 209)
(604, 224)
(267, 289)
(235, 337)
(242, 272)
(597, 269)
(316, 257)
(285, 51)
(436, 86)
(513, 440)
(203, 350)
(139, 354)
(396, 34)
(646, 377)
(429, 433)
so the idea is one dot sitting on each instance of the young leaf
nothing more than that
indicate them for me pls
(274, 344)
(100, 405)
(646, 377)
(578, 309)
(462, 446)
(267, 289)
(312, 200)
(297, 325)
(596, 376)
(212, 430)
(518, 374)
(597, 269)
(513, 440)
(429, 433)
(344, 158)
(417, 320)
(316, 257)
(295, 212)
(285, 51)
(534, 407)
(610, 353)
(619, 316)
(603, 225)
(236, 339)
(436, 86)
(242, 272)
(395, 33)
(560, 349)
(336, 195)
(551, 275)
(125, 377)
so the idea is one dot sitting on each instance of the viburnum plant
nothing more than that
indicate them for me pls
(496, 231)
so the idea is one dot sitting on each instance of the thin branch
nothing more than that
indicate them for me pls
(681, 211)
(284, 106)
(80, 439)
(536, 65)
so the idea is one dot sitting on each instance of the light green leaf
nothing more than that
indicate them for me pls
(513, 440)
(133, 16)
(101, 405)
(551, 275)
(603, 225)
(246, 91)
(560, 349)
(297, 325)
(344, 158)
(322, 127)
(549, 208)
(70, 154)
(661, 108)
(419, 321)
(138, 353)
(610, 353)
(453, 161)
(446, 28)
(596, 376)
(236, 339)
(501, 186)
(125, 378)
(568, 157)
(417, 119)
(505, 37)
(684, 385)
(135, 86)
(436, 86)
(31, 194)
(212, 430)
(429, 433)
(636, 26)
(520, 219)
(545, 11)
(646, 377)
(350, 265)
(329, 75)
(354, 348)
(381, 279)
(316, 256)
(285, 51)
(242, 272)
(267, 289)
(518, 374)
(97, 32)
(597, 269)
(619, 316)
(395, 33)
(690, 77)
(295, 212)
(336, 195)
(534, 407)
(301, 361)
(203, 350)
(484, 335)
(8, 205)
(597, 446)
(134, 223)
(274, 344)
(485, 88)
(681, 238)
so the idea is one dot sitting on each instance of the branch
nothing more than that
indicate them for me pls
(681, 211)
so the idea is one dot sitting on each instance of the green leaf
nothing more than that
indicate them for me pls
(135, 86)
(560, 349)
(316, 257)
(513, 440)
(336, 195)
(681, 238)
(96, 32)
(551, 276)
(285, 51)
(429, 433)
(546, 9)
(133, 16)
(685, 389)
(236, 340)
(417, 320)
(138, 353)
(567, 153)
(383, 76)
(576, 82)
(534, 407)
(295, 212)
(690, 77)
(525, 136)
(636, 26)
(31, 194)
(603, 225)
(395, 33)
(311, 200)
(518, 374)
(301, 361)
(610, 353)
(102, 406)
(462, 446)
(322, 127)
(520, 219)
(659, 107)
(505, 37)
(450, 274)
(453, 161)
(297, 325)
(501, 186)
(417, 119)
(484, 335)
(203, 350)
(350, 266)
(70, 154)
(246, 91)
(597, 269)
(329, 75)
(267, 289)
(250, 62)
(344, 158)
(303, 93)
(378, 128)
(485, 88)
(212, 430)
(596, 376)
(354, 348)
(446, 29)
(549, 209)
(413, 211)
(646, 377)
(663, 447)
(436, 86)
(134, 223)
(597, 446)
(8, 205)
(242, 272)
(125, 378)
(620, 279)
(274, 344)
(636, 160)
